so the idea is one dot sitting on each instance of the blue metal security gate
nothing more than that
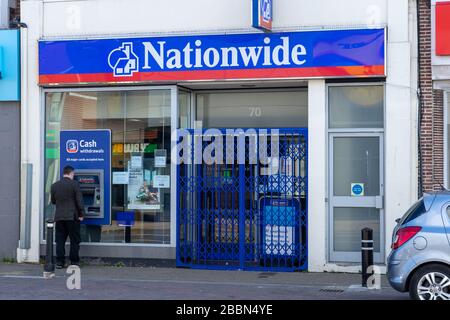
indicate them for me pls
(240, 209)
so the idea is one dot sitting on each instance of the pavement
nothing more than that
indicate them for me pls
(26, 282)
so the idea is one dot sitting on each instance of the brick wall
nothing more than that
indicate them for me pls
(432, 113)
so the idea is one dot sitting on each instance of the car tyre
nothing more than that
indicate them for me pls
(420, 276)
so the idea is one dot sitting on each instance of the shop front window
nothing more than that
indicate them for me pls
(140, 124)
(356, 107)
(253, 109)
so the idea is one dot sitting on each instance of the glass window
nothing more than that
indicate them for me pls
(140, 126)
(348, 223)
(356, 160)
(356, 106)
(184, 105)
(414, 212)
(256, 109)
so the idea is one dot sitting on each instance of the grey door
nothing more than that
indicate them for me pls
(10, 177)
(355, 194)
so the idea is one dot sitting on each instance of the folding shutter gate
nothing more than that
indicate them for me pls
(247, 215)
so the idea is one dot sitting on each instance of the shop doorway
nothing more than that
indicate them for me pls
(245, 215)
(356, 193)
(250, 214)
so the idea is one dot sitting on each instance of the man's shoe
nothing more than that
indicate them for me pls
(59, 266)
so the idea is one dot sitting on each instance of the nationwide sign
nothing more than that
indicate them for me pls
(309, 54)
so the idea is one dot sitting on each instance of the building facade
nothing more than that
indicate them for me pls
(336, 80)
(435, 62)
(10, 132)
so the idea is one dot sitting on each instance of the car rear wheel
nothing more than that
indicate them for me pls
(431, 282)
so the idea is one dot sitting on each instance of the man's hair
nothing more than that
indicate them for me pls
(68, 170)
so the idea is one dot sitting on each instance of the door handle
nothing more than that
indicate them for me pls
(379, 202)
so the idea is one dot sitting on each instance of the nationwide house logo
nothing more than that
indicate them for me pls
(266, 10)
(72, 146)
(123, 61)
(263, 14)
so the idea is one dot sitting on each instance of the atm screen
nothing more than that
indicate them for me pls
(91, 187)
(87, 179)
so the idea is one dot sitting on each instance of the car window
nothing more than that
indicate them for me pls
(414, 212)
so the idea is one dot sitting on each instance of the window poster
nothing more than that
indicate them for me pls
(141, 193)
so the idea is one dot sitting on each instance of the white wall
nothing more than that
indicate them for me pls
(95, 18)
(317, 176)
(106, 17)
(32, 121)
(401, 118)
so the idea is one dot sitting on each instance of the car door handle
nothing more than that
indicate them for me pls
(379, 202)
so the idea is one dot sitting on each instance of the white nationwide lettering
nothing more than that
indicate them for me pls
(187, 55)
(298, 50)
(196, 56)
(226, 54)
(215, 57)
(174, 59)
(158, 57)
(252, 54)
(284, 48)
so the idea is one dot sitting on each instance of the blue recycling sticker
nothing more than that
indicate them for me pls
(357, 189)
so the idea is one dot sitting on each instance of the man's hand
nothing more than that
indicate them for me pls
(80, 219)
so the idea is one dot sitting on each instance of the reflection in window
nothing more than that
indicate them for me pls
(140, 126)
(348, 223)
(356, 159)
(253, 109)
(356, 106)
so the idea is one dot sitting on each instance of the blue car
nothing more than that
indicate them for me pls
(419, 262)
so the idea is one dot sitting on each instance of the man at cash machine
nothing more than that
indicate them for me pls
(69, 212)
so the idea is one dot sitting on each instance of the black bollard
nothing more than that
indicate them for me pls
(366, 253)
(49, 266)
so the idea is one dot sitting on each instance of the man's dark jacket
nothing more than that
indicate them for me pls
(67, 197)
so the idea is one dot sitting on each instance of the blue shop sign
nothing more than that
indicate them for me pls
(306, 54)
(9, 65)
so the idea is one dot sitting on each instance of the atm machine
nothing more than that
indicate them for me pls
(91, 185)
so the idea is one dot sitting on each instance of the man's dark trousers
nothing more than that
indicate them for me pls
(64, 229)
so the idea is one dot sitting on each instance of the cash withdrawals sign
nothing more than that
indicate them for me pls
(89, 150)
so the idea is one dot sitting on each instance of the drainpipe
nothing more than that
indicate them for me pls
(420, 98)
(26, 167)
